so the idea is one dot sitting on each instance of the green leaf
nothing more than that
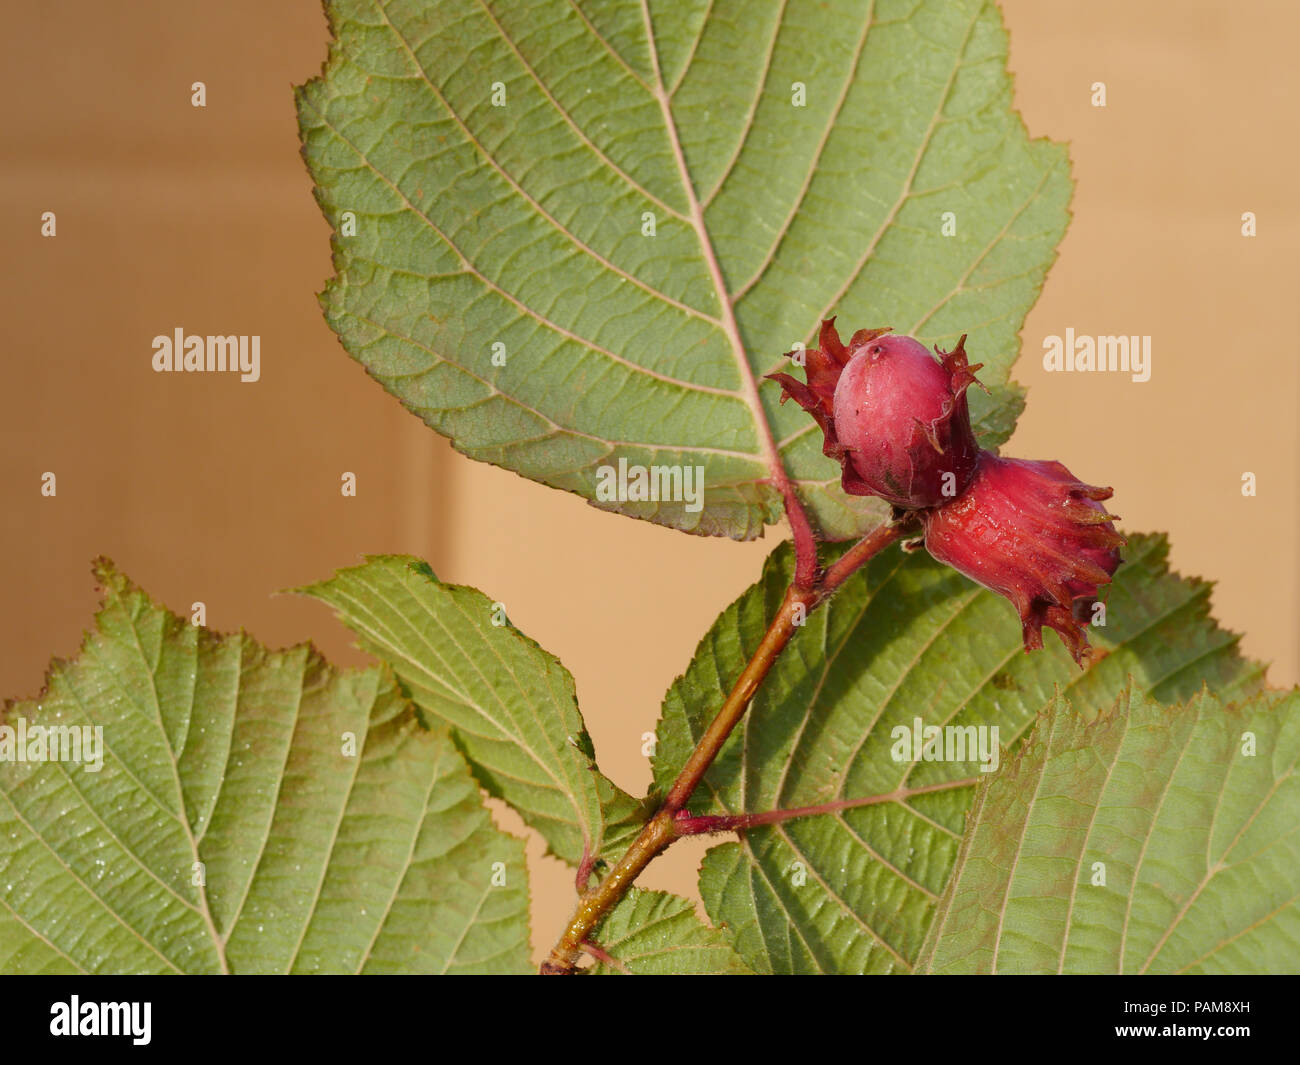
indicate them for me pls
(907, 638)
(1150, 840)
(801, 158)
(229, 829)
(652, 933)
(513, 705)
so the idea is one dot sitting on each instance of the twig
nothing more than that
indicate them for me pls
(663, 828)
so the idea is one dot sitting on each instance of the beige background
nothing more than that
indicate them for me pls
(214, 490)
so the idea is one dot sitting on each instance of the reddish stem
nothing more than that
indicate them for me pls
(694, 826)
(661, 830)
(585, 867)
(805, 541)
(603, 956)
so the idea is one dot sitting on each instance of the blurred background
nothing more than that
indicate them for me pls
(213, 490)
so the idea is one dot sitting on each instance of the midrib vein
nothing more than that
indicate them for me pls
(748, 383)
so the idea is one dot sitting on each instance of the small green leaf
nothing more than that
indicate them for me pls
(652, 933)
(513, 705)
(854, 890)
(1150, 839)
(255, 812)
(995, 422)
(569, 234)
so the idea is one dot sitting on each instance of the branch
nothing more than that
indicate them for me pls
(665, 826)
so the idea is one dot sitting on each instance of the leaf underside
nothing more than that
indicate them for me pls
(652, 933)
(1151, 840)
(512, 704)
(800, 158)
(230, 829)
(855, 890)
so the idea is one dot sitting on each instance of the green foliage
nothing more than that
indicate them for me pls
(800, 158)
(513, 705)
(569, 234)
(854, 891)
(255, 812)
(1151, 839)
(652, 933)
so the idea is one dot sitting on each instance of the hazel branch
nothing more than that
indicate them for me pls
(663, 828)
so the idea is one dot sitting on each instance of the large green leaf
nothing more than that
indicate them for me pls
(1150, 840)
(513, 705)
(652, 933)
(907, 638)
(233, 826)
(521, 225)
